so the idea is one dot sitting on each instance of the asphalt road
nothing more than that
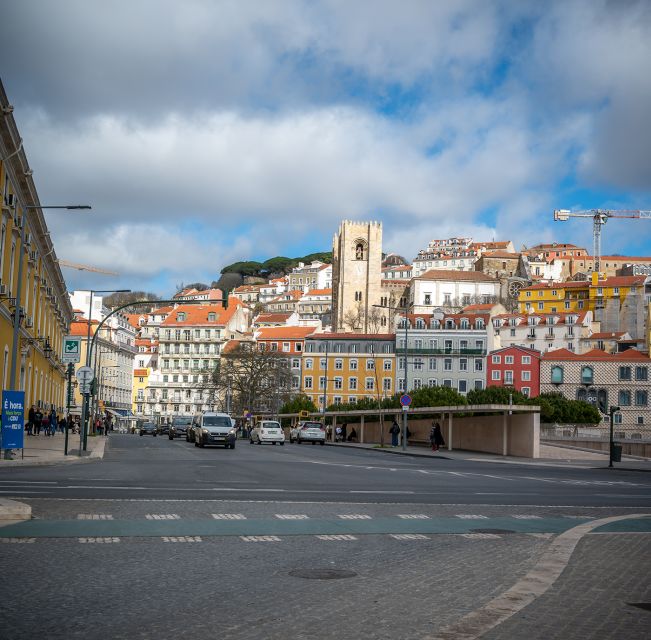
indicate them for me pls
(165, 540)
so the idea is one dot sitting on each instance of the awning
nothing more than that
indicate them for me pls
(120, 413)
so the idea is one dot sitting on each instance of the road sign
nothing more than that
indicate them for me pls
(71, 349)
(13, 416)
(405, 400)
(85, 375)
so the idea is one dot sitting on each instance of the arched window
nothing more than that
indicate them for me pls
(587, 375)
(420, 323)
(360, 251)
(557, 375)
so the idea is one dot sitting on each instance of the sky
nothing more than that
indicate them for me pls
(204, 132)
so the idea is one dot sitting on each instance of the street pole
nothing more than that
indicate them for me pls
(613, 411)
(71, 368)
(404, 413)
(84, 403)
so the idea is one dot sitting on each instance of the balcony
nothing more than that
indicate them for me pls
(531, 336)
(438, 352)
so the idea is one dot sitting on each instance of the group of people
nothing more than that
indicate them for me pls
(342, 435)
(46, 421)
(435, 435)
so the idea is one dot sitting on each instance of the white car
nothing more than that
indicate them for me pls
(309, 431)
(267, 431)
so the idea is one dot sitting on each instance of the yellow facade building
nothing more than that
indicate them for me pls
(34, 291)
(343, 368)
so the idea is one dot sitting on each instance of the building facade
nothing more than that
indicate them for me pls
(514, 366)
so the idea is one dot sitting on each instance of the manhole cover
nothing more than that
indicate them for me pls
(645, 606)
(322, 574)
(492, 531)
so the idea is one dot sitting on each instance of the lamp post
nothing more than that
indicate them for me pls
(613, 411)
(406, 389)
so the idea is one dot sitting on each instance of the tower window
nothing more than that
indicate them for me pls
(360, 250)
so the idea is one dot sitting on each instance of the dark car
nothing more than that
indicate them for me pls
(179, 428)
(163, 428)
(148, 429)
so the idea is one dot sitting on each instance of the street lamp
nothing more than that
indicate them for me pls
(406, 389)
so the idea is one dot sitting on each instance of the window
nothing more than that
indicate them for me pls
(322, 382)
(463, 386)
(447, 383)
(508, 377)
(479, 385)
(557, 375)
(308, 363)
(447, 364)
(497, 359)
(587, 375)
(387, 365)
(296, 363)
(447, 298)
(508, 359)
(479, 364)
(641, 373)
(212, 316)
(322, 363)
(352, 365)
(286, 347)
(463, 364)
(431, 382)
(526, 359)
(624, 373)
(526, 376)
(624, 398)
(418, 364)
(418, 383)
(432, 364)
(428, 299)
(370, 364)
(386, 384)
(526, 391)
(339, 364)
(370, 384)
(641, 398)
(352, 384)
(339, 383)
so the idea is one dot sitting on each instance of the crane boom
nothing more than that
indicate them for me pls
(599, 218)
(85, 267)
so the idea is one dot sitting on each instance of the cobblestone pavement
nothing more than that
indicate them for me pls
(594, 596)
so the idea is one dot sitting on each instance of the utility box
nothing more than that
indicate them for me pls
(616, 455)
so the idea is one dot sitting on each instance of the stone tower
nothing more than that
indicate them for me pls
(356, 276)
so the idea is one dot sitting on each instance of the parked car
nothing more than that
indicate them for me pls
(211, 428)
(148, 429)
(179, 427)
(267, 431)
(163, 428)
(308, 431)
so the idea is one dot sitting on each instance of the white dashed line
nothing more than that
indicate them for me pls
(162, 516)
(470, 516)
(292, 516)
(260, 538)
(354, 516)
(228, 516)
(99, 540)
(343, 536)
(480, 536)
(527, 517)
(94, 516)
(17, 540)
(181, 538)
(409, 536)
(413, 516)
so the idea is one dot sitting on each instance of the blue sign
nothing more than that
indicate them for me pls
(13, 416)
(405, 400)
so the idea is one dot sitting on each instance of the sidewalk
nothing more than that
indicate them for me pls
(549, 456)
(43, 450)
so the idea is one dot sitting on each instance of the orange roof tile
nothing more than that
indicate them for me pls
(319, 292)
(278, 333)
(197, 314)
(140, 373)
(597, 354)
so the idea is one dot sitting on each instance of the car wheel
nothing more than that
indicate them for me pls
(259, 441)
(155, 435)
(322, 442)
(282, 444)
(170, 437)
(251, 441)
(187, 438)
(313, 441)
(202, 444)
(196, 444)
(141, 434)
(233, 446)
(299, 441)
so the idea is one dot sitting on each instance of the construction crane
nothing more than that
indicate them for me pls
(599, 219)
(85, 267)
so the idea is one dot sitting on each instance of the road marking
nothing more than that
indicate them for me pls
(527, 517)
(228, 516)
(181, 538)
(17, 540)
(409, 536)
(94, 516)
(354, 516)
(260, 538)
(99, 540)
(480, 536)
(27, 482)
(470, 516)
(404, 493)
(413, 516)
(342, 536)
(162, 516)
(292, 516)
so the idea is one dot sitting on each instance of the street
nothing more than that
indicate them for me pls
(162, 539)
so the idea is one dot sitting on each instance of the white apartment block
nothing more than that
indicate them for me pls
(316, 275)
(451, 290)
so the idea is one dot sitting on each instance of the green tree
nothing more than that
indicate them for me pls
(298, 403)
(437, 397)
(495, 395)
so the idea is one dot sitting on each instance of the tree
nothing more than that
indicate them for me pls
(298, 403)
(437, 397)
(253, 380)
(555, 407)
(496, 395)
(118, 299)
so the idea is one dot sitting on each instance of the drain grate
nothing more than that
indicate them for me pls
(645, 606)
(322, 574)
(501, 531)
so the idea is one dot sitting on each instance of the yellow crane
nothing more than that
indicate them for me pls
(85, 267)
(599, 219)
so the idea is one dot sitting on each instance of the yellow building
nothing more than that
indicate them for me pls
(346, 367)
(31, 284)
(557, 297)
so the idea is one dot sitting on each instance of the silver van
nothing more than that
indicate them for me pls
(210, 428)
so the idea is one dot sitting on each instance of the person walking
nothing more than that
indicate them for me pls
(394, 430)
(30, 420)
(436, 437)
(54, 421)
(344, 428)
(38, 420)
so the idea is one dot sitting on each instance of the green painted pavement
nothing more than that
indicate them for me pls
(312, 526)
(627, 526)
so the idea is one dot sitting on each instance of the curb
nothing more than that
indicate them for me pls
(12, 511)
(410, 454)
(525, 591)
(97, 453)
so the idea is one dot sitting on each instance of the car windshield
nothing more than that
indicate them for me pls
(216, 421)
(181, 423)
(313, 425)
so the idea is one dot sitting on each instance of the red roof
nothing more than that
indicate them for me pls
(606, 335)
(279, 333)
(534, 352)
(597, 354)
(197, 314)
(478, 307)
(140, 373)
(319, 292)
(272, 317)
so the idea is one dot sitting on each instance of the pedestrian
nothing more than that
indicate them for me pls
(62, 424)
(338, 434)
(38, 420)
(344, 428)
(30, 420)
(54, 421)
(394, 430)
(436, 437)
(353, 436)
(45, 424)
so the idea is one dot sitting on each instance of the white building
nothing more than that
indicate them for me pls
(316, 275)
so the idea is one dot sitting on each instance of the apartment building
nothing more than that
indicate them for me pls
(315, 308)
(447, 350)
(345, 367)
(285, 302)
(190, 342)
(543, 332)
(442, 289)
(604, 380)
(316, 275)
(514, 366)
